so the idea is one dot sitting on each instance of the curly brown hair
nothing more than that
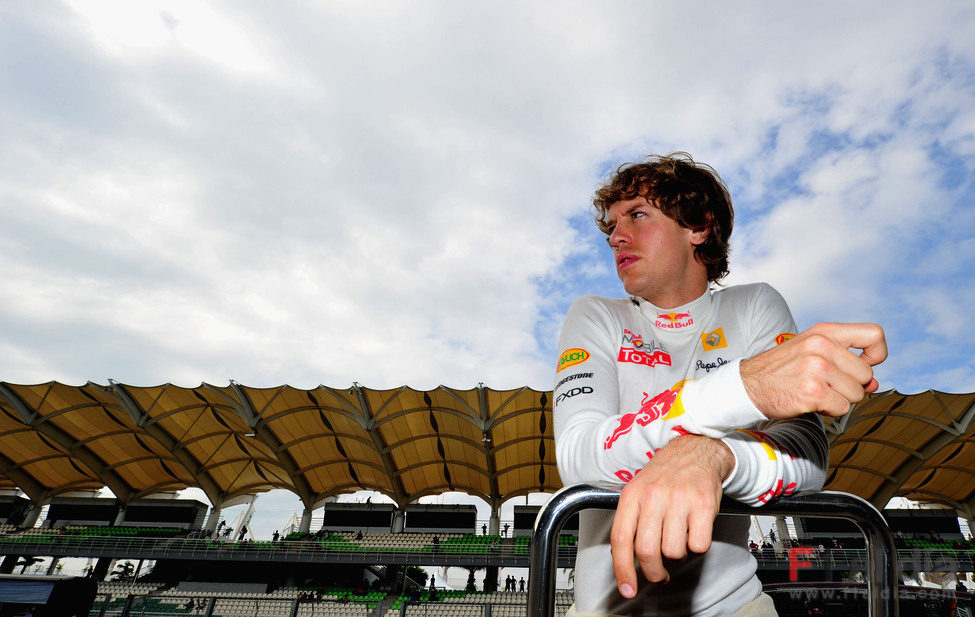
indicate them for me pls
(689, 192)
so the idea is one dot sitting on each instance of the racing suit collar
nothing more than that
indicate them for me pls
(688, 316)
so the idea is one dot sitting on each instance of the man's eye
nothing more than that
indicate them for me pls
(637, 214)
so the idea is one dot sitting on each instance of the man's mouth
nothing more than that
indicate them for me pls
(623, 260)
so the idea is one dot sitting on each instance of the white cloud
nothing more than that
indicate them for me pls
(320, 194)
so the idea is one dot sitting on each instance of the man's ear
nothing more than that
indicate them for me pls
(700, 236)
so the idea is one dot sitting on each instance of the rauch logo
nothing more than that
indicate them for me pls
(571, 357)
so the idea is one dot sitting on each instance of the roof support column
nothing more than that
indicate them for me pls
(399, 520)
(305, 525)
(782, 528)
(30, 517)
(494, 523)
(212, 519)
(119, 517)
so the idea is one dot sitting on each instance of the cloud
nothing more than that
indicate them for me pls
(397, 194)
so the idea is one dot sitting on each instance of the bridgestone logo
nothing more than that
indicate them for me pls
(571, 377)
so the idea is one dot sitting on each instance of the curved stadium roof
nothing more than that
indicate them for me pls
(497, 444)
(235, 440)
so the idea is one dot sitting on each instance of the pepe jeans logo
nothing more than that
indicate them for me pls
(571, 357)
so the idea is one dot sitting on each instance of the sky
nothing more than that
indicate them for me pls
(398, 193)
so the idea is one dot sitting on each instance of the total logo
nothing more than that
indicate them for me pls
(673, 320)
(665, 405)
(783, 337)
(571, 357)
(642, 353)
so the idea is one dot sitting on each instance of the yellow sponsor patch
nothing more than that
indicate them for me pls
(768, 449)
(571, 357)
(677, 407)
(713, 340)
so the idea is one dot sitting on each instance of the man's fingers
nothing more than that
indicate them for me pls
(673, 542)
(621, 546)
(848, 387)
(699, 526)
(648, 541)
(867, 337)
(853, 365)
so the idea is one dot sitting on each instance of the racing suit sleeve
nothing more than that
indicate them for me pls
(587, 360)
(775, 457)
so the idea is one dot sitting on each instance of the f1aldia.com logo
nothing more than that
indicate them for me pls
(571, 357)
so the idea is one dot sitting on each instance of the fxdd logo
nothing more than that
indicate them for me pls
(571, 357)
(573, 392)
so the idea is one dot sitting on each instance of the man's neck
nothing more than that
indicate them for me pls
(680, 296)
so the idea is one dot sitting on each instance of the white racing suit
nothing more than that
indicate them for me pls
(630, 378)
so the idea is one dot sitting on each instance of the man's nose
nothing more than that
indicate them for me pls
(618, 236)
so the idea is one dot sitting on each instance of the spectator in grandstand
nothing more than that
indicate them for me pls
(702, 391)
(483, 530)
(275, 536)
(521, 584)
(505, 532)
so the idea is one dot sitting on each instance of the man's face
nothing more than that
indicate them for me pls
(654, 255)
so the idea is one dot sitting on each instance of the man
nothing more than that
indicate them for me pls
(684, 393)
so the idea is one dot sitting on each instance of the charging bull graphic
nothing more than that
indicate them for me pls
(665, 405)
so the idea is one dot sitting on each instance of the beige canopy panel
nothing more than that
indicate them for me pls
(235, 440)
(918, 446)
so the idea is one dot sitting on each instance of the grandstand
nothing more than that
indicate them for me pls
(60, 442)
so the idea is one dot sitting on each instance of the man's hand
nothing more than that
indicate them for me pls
(816, 371)
(668, 508)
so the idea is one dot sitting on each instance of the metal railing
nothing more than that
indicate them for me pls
(881, 564)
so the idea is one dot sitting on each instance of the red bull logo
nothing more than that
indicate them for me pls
(673, 320)
(664, 405)
(571, 357)
(783, 337)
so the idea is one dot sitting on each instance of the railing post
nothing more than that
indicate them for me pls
(881, 553)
